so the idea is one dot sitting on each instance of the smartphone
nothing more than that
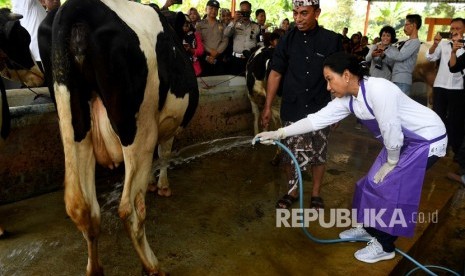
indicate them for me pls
(444, 35)
(177, 2)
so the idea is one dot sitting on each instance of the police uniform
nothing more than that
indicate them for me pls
(244, 36)
(212, 38)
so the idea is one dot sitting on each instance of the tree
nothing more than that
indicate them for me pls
(5, 3)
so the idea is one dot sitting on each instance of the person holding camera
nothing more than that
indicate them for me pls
(244, 33)
(448, 96)
(406, 57)
(381, 67)
(214, 42)
(457, 65)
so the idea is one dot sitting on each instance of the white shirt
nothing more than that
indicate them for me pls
(33, 13)
(393, 111)
(445, 79)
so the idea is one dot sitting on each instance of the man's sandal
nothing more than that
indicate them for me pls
(286, 202)
(317, 202)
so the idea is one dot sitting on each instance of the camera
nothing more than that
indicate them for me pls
(245, 14)
(445, 34)
(378, 64)
(461, 40)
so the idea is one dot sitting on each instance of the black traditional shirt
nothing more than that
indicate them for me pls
(299, 58)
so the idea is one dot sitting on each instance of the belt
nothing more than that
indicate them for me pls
(234, 54)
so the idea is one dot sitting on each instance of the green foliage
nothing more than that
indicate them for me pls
(342, 17)
(5, 4)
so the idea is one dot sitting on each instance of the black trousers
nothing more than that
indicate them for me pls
(387, 240)
(209, 69)
(238, 66)
(450, 106)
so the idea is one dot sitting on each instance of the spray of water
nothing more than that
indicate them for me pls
(189, 153)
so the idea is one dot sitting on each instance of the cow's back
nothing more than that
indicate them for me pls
(124, 52)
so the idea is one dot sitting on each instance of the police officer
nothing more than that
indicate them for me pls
(214, 42)
(244, 33)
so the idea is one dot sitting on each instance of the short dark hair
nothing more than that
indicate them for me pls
(341, 61)
(414, 18)
(245, 3)
(458, 19)
(259, 11)
(390, 30)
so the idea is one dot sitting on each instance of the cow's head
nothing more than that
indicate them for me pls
(16, 62)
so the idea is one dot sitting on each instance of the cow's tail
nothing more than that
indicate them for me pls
(69, 41)
(5, 120)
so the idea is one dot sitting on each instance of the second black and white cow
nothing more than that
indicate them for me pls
(16, 62)
(257, 71)
(122, 84)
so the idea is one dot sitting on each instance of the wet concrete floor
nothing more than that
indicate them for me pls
(221, 219)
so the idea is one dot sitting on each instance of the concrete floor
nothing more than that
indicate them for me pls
(220, 219)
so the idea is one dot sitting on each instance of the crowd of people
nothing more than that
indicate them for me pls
(227, 39)
(371, 82)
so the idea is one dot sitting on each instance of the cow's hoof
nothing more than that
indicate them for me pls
(95, 272)
(164, 192)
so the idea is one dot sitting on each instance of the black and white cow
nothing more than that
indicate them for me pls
(122, 84)
(16, 62)
(257, 71)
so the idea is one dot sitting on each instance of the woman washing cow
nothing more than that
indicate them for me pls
(413, 136)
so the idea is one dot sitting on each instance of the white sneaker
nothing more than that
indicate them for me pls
(373, 253)
(355, 233)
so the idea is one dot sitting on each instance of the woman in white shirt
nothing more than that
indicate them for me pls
(413, 136)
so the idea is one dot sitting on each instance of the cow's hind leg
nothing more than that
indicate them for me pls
(256, 115)
(132, 209)
(164, 153)
(80, 196)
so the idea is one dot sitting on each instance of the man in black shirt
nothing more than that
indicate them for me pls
(298, 64)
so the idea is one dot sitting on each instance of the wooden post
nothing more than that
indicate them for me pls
(367, 17)
(432, 21)
(233, 8)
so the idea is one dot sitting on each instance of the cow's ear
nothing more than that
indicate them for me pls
(14, 16)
